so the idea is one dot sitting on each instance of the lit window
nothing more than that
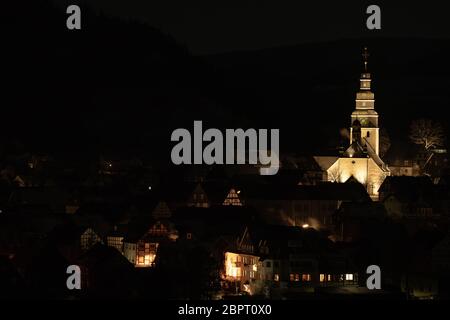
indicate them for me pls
(292, 277)
(232, 199)
(349, 277)
(231, 263)
(329, 277)
(297, 277)
(322, 277)
(276, 277)
(306, 277)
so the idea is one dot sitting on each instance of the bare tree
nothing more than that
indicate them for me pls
(334, 175)
(426, 132)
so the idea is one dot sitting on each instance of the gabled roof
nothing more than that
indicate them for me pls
(215, 221)
(161, 211)
(375, 157)
(325, 162)
(322, 191)
(356, 150)
(105, 257)
(217, 191)
(305, 163)
(284, 240)
(118, 231)
(140, 226)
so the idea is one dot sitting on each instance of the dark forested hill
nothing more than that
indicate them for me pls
(118, 84)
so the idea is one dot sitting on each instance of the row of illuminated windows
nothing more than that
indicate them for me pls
(246, 260)
(115, 242)
(232, 202)
(201, 204)
(246, 273)
(158, 230)
(145, 246)
(306, 277)
(340, 277)
(89, 239)
(295, 277)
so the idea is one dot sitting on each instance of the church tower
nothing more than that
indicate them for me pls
(365, 117)
(360, 161)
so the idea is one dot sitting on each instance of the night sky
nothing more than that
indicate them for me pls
(140, 69)
(211, 26)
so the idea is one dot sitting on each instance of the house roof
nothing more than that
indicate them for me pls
(215, 221)
(356, 150)
(285, 240)
(105, 257)
(322, 191)
(140, 225)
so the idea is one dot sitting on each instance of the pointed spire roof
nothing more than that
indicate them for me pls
(365, 55)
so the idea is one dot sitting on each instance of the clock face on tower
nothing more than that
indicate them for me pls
(364, 122)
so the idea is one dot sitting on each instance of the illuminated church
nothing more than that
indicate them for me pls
(361, 160)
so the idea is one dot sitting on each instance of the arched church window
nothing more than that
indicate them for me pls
(368, 134)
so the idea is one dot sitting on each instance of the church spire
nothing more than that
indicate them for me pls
(365, 55)
(364, 116)
(365, 75)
